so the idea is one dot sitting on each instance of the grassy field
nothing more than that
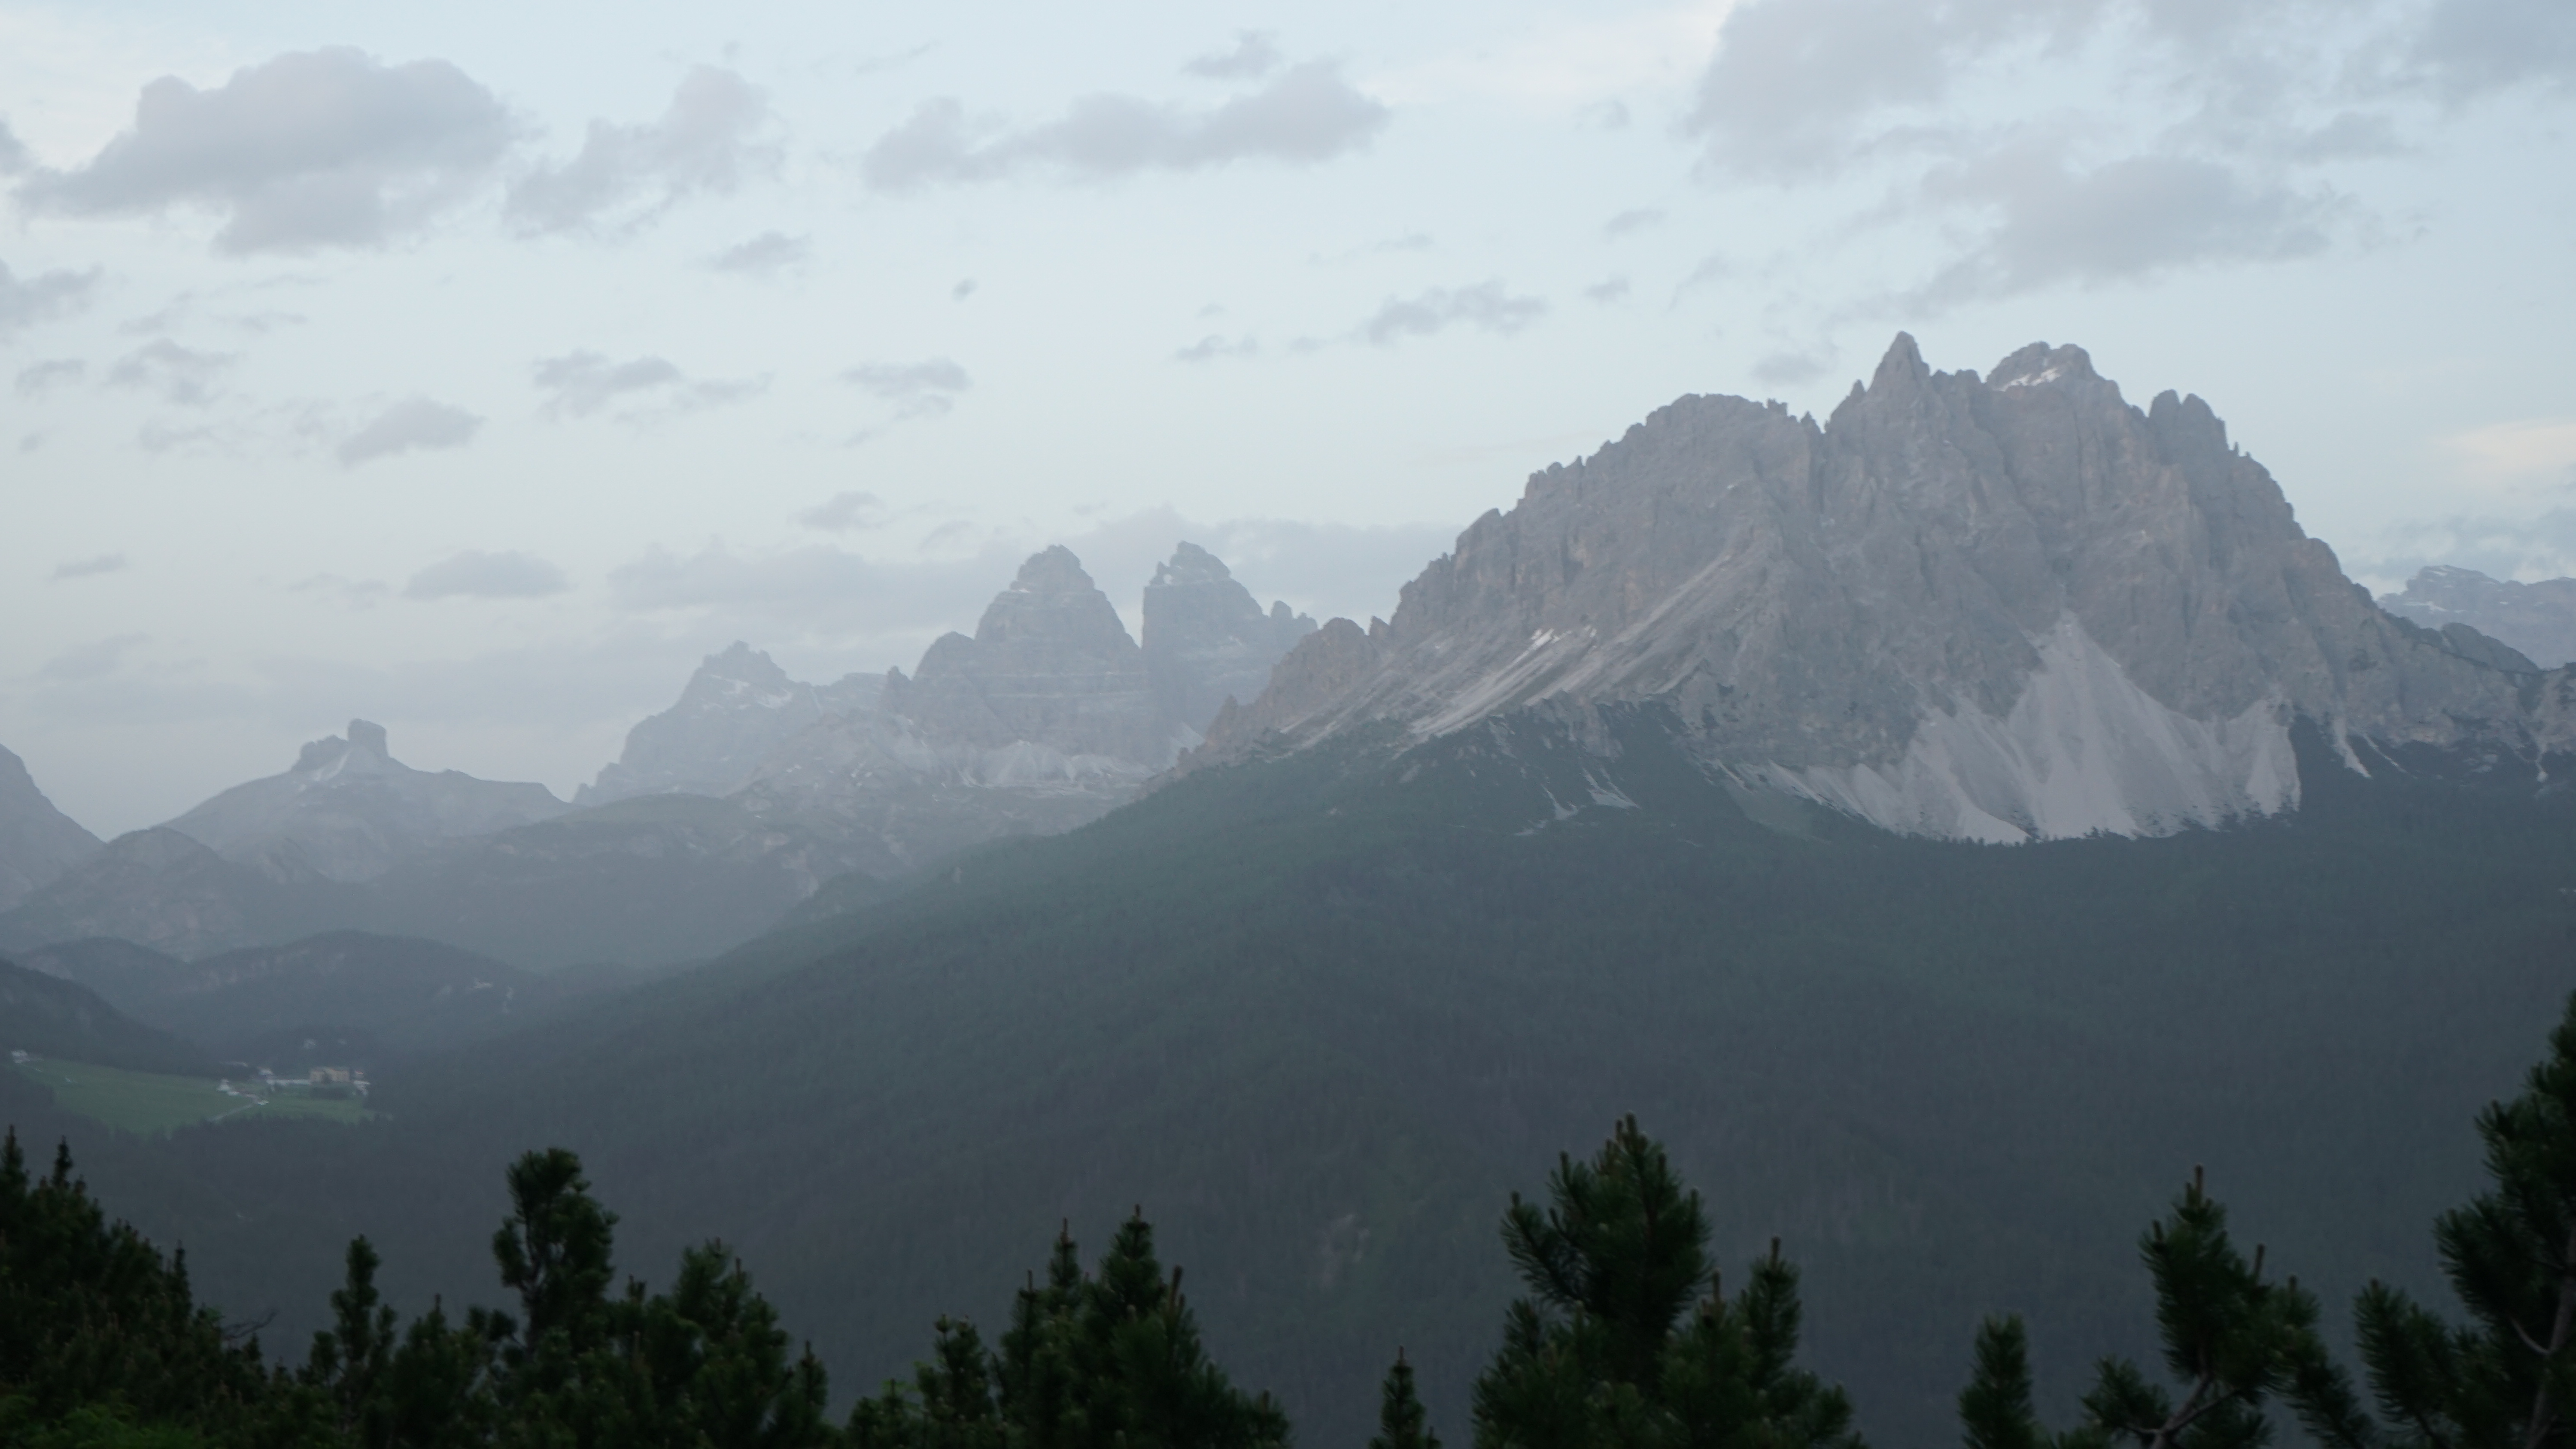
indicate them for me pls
(150, 1102)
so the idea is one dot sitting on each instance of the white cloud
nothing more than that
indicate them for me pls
(176, 374)
(1310, 113)
(38, 378)
(413, 424)
(89, 568)
(2517, 456)
(844, 512)
(706, 142)
(1216, 345)
(650, 388)
(1255, 53)
(89, 661)
(2128, 219)
(1485, 306)
(25, 302)
(925, 389)
(765, 255)
(474, 574)
(310, 150)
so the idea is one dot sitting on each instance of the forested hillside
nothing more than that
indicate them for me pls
(1317, 1019)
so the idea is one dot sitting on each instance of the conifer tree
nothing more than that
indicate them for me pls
(2234, 1343)
(1606, 1347)
(1108, 1360)
(1402, 1423)
(2507, 1378)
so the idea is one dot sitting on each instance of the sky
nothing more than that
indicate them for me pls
(475, 369)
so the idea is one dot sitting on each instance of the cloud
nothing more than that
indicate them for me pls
(1485, 305)
(14, 157)
(2536, 452)
(765, 255)
(1309, 113)
(1797, 86)
(38, 378)
(1607, 290)
(178, 375)
(925, 389)
(1788, 369)
(23, 303)
(475, 574)
(106, 563)
(583, 383)
(1253, 55)
(705, 142)
(1213, 346)
(845, 511)
(1635, 219)
(89, 661)
(311, 150)
(2470, 47)
(2130, 218)
(414, 424)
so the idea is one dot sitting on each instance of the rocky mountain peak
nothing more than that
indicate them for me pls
(363, 748)
(1208, 640)
(2536, 619)
(1190, 564)
(737, 707)
(1051, 605)
(2004, 609)
(349, 811)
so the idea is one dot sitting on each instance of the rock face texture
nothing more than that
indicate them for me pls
(1208, 641)
(2003, 608)
(737, 708)
(1050, 665)
(2536, 620)
(349, 811)
(37, 842)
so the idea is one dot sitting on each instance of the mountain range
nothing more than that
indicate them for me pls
(723, 812)
(2003, 609)
(1676, 789)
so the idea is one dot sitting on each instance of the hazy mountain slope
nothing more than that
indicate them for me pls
(648, 881)
(47, 1016)
(127, 976)
(37, 842)
(161, 889)
(736, 708)
(348, 811)
(1320, 1015)
(1996, 609)
(2538, 619)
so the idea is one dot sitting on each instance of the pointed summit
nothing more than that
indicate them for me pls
(1902, 367)
(1050, 661)
(2011, 610)
(1207, 640)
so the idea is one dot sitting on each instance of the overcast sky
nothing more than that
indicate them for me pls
(475, 368)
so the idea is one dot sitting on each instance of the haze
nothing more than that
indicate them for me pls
(475, 370)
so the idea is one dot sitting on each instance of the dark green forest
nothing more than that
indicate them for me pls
(1317, 1018)
(1625, 1335)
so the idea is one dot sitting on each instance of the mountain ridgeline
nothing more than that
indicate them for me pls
(1675, 790)
(724, 812)
(1999, 609)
